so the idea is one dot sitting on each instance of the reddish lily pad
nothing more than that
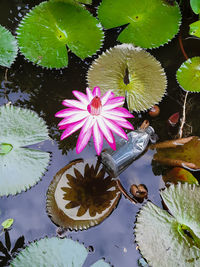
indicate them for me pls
(181, 152)
(178, 174)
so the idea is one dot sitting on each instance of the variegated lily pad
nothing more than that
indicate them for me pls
(54, 252)
(20, 167)
(151, 23)
(80, 196)
(8, 47)
(171, 239)
(188, 75)
(46, 30)
(178, 174)
(132, 72)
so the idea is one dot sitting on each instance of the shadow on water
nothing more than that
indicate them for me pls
(43, 91)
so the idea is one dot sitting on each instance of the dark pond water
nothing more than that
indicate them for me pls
(43, 91)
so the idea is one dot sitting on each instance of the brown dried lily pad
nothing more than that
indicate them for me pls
(81, 195)
(178, 174)
(182, 152)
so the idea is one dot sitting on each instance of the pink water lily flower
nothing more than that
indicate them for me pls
(97, 115)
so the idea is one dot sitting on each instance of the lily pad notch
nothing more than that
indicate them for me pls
(47, 29)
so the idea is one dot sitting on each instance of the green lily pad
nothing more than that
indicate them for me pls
(188, 75)
(54, 252)
(195, 5)
(80, 196)
(132, 72)
(88, 2)
(171, 240)
(150, 23)
(20, 167)
(182, 154)
(8, 47)
(195, 29)
(178, 174)
(46, 30)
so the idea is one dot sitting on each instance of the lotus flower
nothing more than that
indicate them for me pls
(97, 115)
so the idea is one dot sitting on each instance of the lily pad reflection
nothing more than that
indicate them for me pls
(81, 195)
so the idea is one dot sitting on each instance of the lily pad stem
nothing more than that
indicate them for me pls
(123, 191)
(180, 133)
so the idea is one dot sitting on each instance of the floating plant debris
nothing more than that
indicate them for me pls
(54, 252)
(181, 152)
(8, 47)
(140, 192)
(174, 119)
(188, 75)
(178, 174)
(154, 111)
(81, 195)
(147, 79)
(20, 167)
(145, 20)
(161, 236)
(46, 30)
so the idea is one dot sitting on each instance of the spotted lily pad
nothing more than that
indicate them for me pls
(20, 167)
(80, 196)
(188, 75)
(183, 154)
(178, 174)
(195, 28)
(8, 47)
(132, 72)
(47, 29)
(151, 23)
(53, 252)
(171, 239)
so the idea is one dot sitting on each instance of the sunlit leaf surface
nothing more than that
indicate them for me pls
(132, 72)
(171, 240)
(188, 75)
(179, 154)
(20, 167)
(178, 174)
(151, 23)
(195, 28)
(54, 252)
(47, 29)
(8, 47)
(195, 5)
(81, 195)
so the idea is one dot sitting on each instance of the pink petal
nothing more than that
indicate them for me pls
(106, 96)
(96, 92)
(90, 121)
(113, 103)
(89, 94)
(115, 128)
(98, 138)
(67, 112)
(121, 112)
(125, 124)
(72, 128)
(80, 96)
(83, 139)
(74, 118)
(74, 104)
(113, 144)
(104, 129)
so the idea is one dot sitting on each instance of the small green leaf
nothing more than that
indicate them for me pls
(195, 28)
(195, 5)
(151, 23)
(20, 167)
(8, 47)
(171, 239)
(188, 75)
(46, 30)
(7, 223)
(54, 252)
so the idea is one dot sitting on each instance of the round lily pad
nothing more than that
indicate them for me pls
(47, 30)
(20, 166)
(132, 72)
(151, 23)
(54, 252)
(171, 239)
(80, 196)
(8, 47)
(188, 75)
